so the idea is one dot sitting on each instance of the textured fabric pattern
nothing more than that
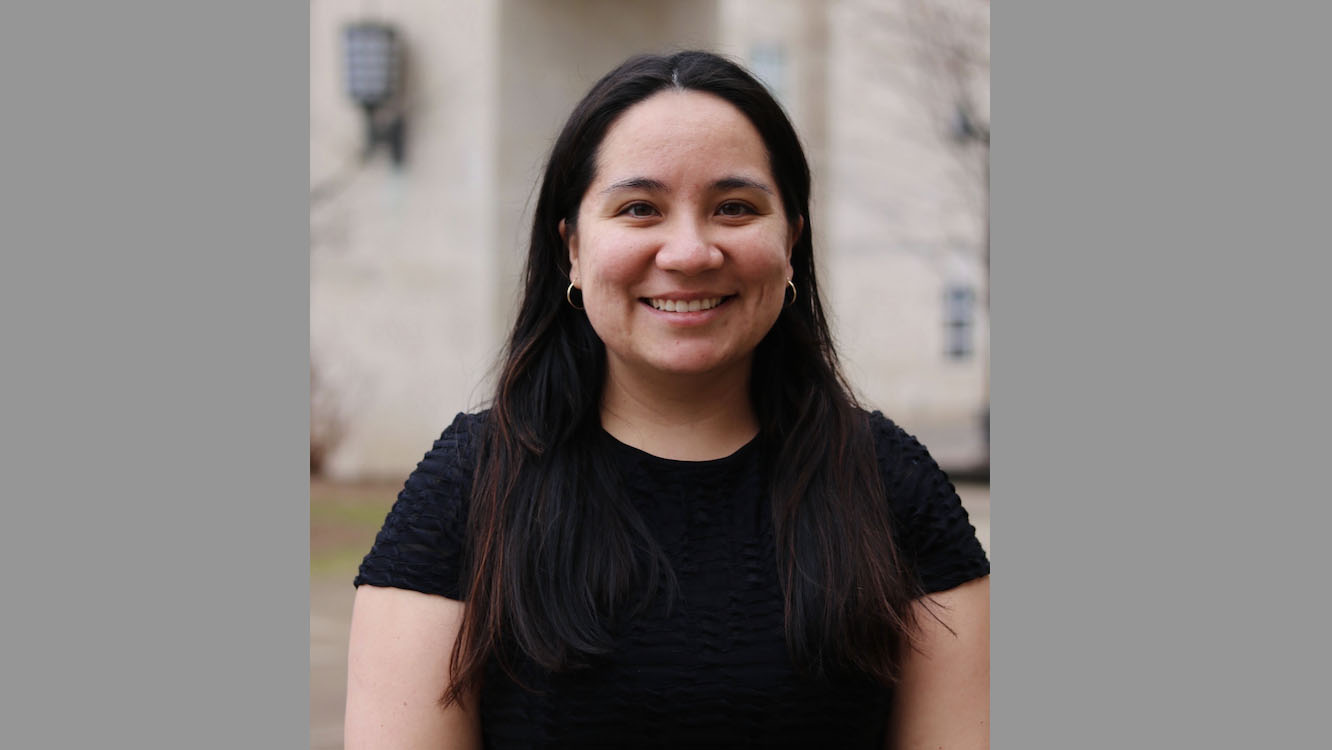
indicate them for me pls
(935, 532)
(420, 545)
(713, 667)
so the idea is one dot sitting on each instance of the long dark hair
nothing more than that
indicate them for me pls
(556, 553)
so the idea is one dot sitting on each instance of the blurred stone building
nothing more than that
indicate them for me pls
(414, 267)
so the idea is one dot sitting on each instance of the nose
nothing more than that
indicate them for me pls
(686, 249)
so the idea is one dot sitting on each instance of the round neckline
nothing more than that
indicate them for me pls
(630, 451)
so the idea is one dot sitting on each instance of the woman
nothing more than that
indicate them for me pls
(674, 526)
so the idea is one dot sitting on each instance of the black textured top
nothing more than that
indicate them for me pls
(713, 669)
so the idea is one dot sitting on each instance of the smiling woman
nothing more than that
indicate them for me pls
(674, 526)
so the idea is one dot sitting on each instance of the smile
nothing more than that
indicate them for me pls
(693, 305)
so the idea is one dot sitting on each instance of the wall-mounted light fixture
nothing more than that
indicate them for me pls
(374, 72)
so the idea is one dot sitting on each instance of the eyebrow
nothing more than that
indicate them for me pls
(733, 183)
(657, 186)
(637, 183)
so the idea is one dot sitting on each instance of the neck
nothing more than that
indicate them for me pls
(685, 418)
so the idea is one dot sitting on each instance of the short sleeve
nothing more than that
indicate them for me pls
(420, 546)
(936, 534)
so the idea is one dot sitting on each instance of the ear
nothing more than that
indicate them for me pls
(570, 242)
(796, 230)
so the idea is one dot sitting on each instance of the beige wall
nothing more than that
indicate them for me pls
(905, 218)
(398, 307)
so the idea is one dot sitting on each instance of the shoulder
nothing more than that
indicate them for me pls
(462, 435)
(442, 480)
(930, 520)
(420, 546)
(905, 463)
(452, 457)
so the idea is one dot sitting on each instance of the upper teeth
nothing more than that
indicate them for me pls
(679, 305)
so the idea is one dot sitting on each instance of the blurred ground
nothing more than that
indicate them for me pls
(343, 521)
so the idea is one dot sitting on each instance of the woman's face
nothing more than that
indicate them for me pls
(682, 249)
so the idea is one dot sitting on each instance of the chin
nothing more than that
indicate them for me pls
(694, 365)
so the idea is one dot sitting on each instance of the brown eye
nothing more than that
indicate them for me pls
(734, 209)
(639, 210)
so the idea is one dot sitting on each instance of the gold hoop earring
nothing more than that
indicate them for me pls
(792, 285)
(568, 295)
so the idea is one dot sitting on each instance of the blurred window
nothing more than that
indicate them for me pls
(959, 321)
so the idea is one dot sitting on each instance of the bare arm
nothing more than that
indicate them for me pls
(398, 667)
(943, 699)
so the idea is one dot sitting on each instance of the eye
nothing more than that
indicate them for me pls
(735, 209)
(639, 210)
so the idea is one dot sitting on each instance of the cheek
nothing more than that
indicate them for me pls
(768, 275)
(611, 273)
(768, 263)
(613, 263)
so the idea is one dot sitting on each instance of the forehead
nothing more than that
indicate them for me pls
(681, 134)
